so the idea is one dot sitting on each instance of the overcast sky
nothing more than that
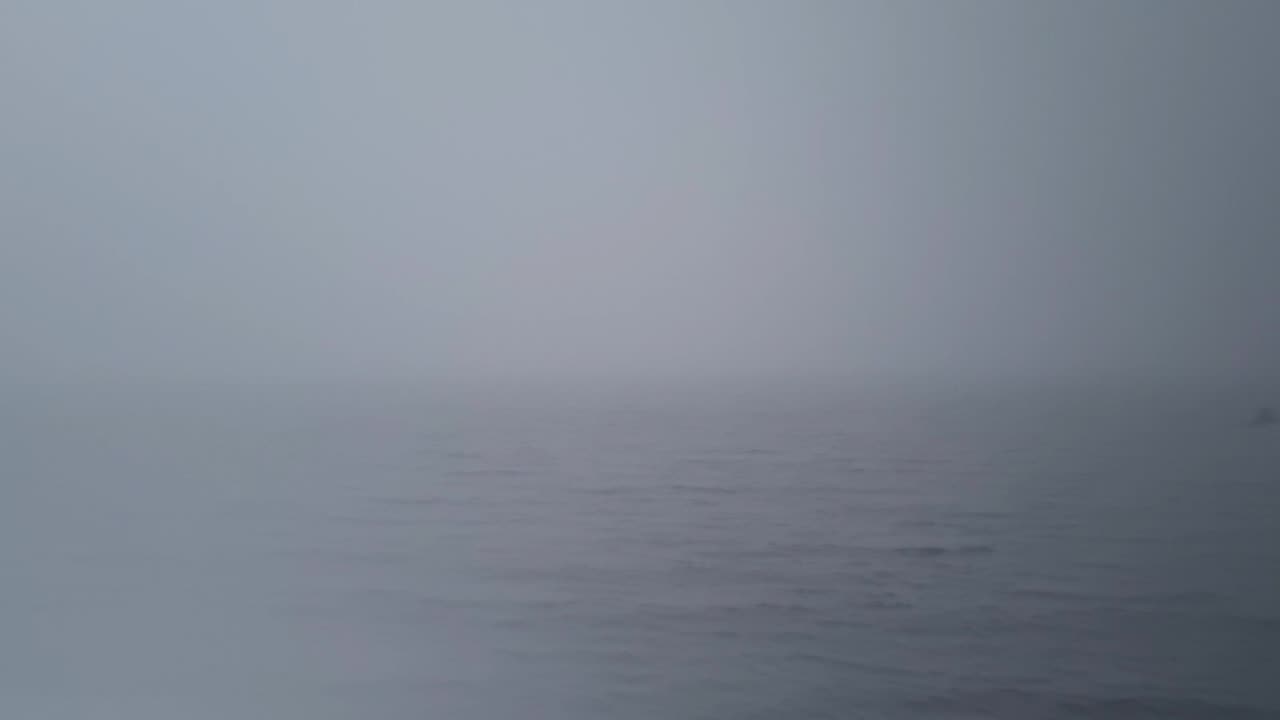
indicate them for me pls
(306, 188)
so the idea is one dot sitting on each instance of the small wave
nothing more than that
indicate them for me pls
(491, 473)
(929, 551)
(405, 501)
(784, 608)
(703, 489)
(611, 491)
(840, 663)
(887, 601)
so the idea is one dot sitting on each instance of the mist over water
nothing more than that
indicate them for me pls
(291, 191)
(663, 359)
(395, 552)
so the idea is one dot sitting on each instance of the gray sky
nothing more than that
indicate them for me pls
(306, 188)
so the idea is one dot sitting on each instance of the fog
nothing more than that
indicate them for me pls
(288, 189)
(281, 280)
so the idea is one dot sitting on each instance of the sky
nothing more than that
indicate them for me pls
(398, 189)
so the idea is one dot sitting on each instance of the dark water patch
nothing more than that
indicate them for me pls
(1078, 596)
(1012, 704)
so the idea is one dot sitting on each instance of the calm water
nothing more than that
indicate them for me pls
(671, 552)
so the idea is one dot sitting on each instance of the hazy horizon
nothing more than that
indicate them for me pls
(289, 190)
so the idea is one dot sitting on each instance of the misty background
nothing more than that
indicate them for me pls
(409, 190)
(320, 319)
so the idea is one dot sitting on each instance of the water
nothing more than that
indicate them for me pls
(674, 552)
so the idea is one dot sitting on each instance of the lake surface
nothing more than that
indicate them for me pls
(660, 552)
